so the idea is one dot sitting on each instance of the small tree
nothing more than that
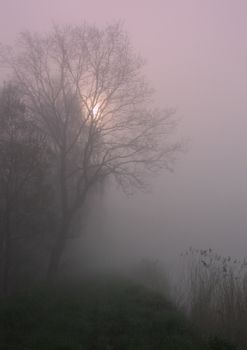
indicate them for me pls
(87, 92)
(23, 164)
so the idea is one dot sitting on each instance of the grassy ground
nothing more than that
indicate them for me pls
(94, 316)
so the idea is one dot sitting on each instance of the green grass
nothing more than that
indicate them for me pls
(94, 316)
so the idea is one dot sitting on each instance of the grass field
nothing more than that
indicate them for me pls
(95, 316)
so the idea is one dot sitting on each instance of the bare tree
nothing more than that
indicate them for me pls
(86, 90)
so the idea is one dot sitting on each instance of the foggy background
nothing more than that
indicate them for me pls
(196, 53)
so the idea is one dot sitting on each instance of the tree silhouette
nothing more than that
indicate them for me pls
(86, 90)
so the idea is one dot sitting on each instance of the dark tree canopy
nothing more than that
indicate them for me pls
(24, 190)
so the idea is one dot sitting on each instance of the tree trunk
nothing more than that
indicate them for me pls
(6, 267)
(60, 243)
(56, 255)
(67, 215)
(6, 256)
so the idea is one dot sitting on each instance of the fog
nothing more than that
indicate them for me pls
(196, 54)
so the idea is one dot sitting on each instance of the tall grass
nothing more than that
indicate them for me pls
(215, 294)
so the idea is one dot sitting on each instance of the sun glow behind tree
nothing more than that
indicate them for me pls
(85, 88)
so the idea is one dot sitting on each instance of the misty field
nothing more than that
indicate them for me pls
(97, 315)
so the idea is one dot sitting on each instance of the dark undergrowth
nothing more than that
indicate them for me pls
(97, 316)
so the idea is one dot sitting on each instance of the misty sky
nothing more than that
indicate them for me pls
(196, 52)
